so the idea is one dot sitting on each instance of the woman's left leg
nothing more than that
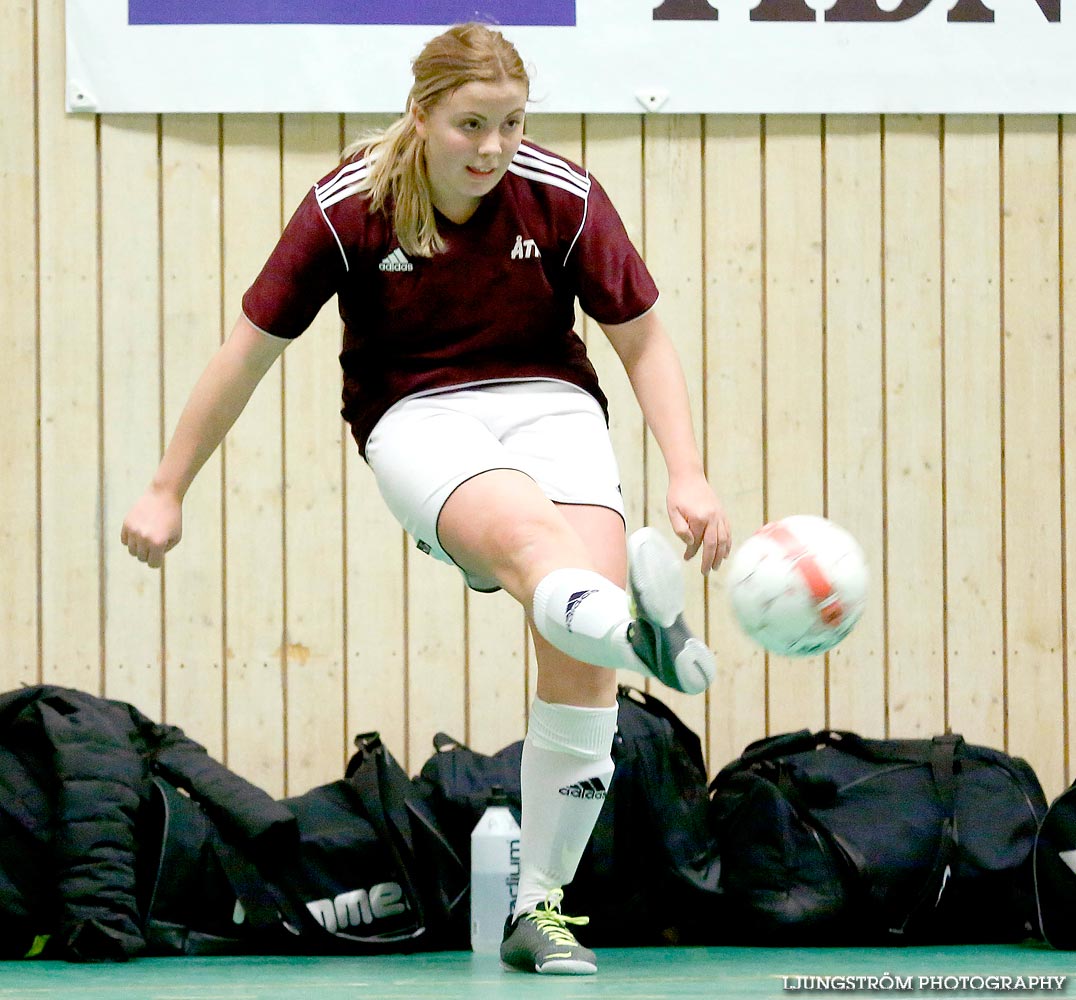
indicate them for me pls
(567, 764)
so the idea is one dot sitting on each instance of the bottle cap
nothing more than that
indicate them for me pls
(497, 797)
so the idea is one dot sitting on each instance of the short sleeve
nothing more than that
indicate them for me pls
(612, 282)
(302, 273)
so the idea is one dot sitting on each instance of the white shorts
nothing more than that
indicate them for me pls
(425, 446)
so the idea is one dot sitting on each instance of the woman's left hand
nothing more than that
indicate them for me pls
(699, 520)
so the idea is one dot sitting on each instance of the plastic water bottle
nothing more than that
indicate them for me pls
(494, 872)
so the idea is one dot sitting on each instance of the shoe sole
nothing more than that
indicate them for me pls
(657, 587)
(564, 968)
(695, 667)
(657, 581)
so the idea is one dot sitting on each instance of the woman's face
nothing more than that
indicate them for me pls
(470, 138)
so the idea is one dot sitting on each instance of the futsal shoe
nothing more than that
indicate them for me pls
(659, 637)
(540, 941)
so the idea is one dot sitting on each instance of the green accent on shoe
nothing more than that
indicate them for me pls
(541, 941)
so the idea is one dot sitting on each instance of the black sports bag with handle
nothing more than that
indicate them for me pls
(1055, 872)
(832, 838)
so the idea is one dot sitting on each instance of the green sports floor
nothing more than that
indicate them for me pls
(639, 974)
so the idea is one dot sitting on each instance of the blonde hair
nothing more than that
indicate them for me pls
(466, 53)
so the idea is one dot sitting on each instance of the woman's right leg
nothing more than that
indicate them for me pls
(459, 492)
(500, 525)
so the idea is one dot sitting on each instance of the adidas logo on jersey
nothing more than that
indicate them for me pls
(396, 261)
(592, 788)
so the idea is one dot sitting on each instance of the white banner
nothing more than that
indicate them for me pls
(614, 56)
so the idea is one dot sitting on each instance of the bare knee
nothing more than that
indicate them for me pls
(521, 550)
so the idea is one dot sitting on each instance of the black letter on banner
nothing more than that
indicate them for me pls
(976, 10)
(685, 10)
(868, 10)
(783, 10)
(971, 10)
(1051, 9)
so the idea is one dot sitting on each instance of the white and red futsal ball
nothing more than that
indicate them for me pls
(798, 585)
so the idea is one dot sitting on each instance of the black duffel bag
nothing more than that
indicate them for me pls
(831, 838)
(356, 866)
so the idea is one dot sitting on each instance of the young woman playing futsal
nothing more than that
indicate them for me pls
(456, 252)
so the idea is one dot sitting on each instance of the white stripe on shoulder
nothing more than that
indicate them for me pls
(533, 170)
(540, 158)
(346, 175)
(339, 192)
(332, 229)
(327, 201)
(544, 178)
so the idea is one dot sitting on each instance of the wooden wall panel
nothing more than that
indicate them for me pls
(191, 310)
(673, 247)
(795, 397)
(130, 398)
(734, 387)
(1068, 347)
(313, 502)
(70, 470)
(853, 385)
(1032, 435)
(974, 603)
(913, 422)
(253, 463)
(19, 348)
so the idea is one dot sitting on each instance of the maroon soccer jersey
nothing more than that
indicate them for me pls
(497, 304)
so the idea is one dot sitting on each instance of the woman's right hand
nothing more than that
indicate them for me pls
(153, 526)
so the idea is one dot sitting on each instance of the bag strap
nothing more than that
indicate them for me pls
(264, 904)
(943, 752)
(442, 743)
(386, 809)
(682, 733)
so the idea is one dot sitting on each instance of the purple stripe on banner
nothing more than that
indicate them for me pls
(435, 12)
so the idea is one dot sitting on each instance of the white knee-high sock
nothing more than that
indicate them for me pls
(567, 769)
(585, 615)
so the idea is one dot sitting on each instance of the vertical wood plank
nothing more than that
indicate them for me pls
(560, 134)
(253, 528)
(974, 596)
(496, 671)
(436, 653)
(69, 366)
(913, 426)
(18, 346)
(853, 372)
(795, 434)
(1030, 234)
(734, 407)
(376, 600)
(1068, 326)
(672, 171)
(313, 503)
(131, 402)
(191, 333)
(613, 155)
